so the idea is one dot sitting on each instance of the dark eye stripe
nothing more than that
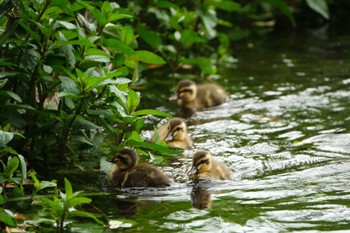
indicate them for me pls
(186, 90)
(177, 129)
(203, 162)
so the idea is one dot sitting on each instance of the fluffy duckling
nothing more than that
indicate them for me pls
(174, 133)
(192, 96)
(203, 165)
(128, 173)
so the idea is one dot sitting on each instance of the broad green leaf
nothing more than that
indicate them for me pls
(60, 3)
(78, 201)
(86, 24)
(5, 137)
(209, 20)
(68, 51)
(94, 51)
(189, 37)
(92, 82)
(12, 95)
(151, 112)
(10, 150)
(147, 57)
(82, 123)
(86, 214)
(127, 35)
(75, 42)
(12, 165)
(54, 205)
(46, 184)
(68, 188)
(118, 46)
(320, 6)
(227, 5)
(3, 82)
(23, 166)
(32, 34)
(133, 101)
(7, 220)
(2, 200)
(162, 149)
(100, 112)
(150, 37)
(68, 85)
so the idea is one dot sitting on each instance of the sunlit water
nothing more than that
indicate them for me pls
(285, 135)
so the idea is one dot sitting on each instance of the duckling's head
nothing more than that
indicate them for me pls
(186, 91)
(177, 130)
(125, 159)
(201, 163)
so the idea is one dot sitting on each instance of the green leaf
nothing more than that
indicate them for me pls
(82, 123)
(93, 82)
(78, 201)
(189, 37)
(133, 101)
(147, 57)
(68, 51)
(23, 167)
(12, 95)
(162, 149)
(7, 220)
(69, 85)
(60, 3)
(75, 42)
(118, 46)
(54, 205)
(32, 34)
(209, 20)
(151, 112)
(68, 188)
(12, 165)
(227, 5)
(320, 6)
(150, 37)
(86, 214)
(127, 35)
(46, 184)
(5, 137)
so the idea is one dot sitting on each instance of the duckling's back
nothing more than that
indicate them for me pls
(220, 171)
(142, 175)
(210, 95)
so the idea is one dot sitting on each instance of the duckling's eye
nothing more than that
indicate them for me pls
(186, 90)
(177, 129)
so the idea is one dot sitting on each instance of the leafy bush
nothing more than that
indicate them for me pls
(64, 77)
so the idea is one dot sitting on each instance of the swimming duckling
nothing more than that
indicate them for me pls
(203, 165)
(192, 96)
(128, 173)
(174, 133)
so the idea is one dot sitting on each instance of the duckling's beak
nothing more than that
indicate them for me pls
(192, 172)
(174, 97)
(169, 137)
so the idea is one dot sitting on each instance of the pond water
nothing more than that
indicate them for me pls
(285, 133)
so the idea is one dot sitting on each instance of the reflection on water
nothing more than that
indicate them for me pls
(285, 133)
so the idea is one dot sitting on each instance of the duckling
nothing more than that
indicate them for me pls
(203, 165)
(192, 96)
(174, 133)
(128, 173)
